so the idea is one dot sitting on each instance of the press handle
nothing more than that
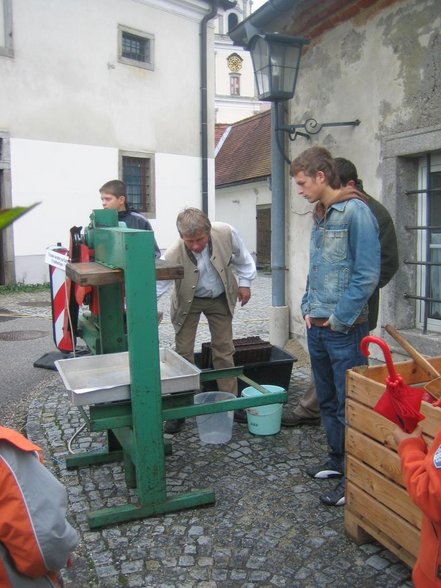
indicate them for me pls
(416, 355)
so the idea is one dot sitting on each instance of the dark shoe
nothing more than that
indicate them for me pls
(335, 497)
(173, 426)
(294, 420)
(240, 416)
(324, 471)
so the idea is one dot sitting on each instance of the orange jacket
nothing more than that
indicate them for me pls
(421, 467)
(35, 538)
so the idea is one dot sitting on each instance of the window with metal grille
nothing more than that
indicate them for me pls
(135, 47)
(428, 255)
(137, 175)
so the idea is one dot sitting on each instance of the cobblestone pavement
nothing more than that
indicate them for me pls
(267, 527)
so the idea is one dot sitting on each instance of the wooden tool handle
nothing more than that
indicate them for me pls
(416, 355)
(434, 388)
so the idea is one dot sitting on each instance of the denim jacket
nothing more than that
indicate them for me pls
(344, 265)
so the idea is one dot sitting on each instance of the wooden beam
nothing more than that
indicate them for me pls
(96, 274)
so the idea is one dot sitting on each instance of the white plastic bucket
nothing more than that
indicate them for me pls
(267, 419)
(215, 427)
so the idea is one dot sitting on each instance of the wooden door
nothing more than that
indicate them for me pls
(263, 238)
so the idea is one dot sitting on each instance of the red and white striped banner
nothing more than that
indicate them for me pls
(60, 288)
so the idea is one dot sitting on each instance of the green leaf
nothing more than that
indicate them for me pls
(9, 215)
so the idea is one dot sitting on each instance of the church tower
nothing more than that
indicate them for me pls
(235, 88)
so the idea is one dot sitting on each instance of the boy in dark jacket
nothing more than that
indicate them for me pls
(114, 195)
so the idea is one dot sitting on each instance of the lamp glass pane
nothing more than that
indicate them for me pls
(284, 60)
(284, 54)
(283, 79)
(263, 81)
(261, 59)
(260, 54)
(275, 66)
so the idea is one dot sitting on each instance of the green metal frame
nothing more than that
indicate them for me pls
(134, 428)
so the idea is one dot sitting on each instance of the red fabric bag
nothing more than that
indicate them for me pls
(400, 403)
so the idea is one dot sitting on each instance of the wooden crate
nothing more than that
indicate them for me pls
(377, 504)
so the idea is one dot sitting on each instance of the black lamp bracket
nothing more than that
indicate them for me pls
(312, 127)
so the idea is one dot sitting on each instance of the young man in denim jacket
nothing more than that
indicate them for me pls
(307, 412)
(344, 270)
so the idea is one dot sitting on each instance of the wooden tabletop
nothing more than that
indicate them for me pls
(96, 274)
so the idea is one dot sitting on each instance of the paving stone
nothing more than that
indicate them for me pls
(267, 527)
(379, 563)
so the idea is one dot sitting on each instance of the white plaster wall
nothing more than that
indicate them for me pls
(237, 206)
(229, 110)
(223, 72)
(297, 257)
(2, 24)
(65, 83)
(66, 179)
(178, 180)
(69, 106)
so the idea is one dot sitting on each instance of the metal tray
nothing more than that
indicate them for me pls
(95, 379)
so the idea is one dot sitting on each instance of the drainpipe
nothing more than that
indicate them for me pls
(204, 106)
(279, 311)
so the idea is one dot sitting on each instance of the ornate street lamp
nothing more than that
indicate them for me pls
(276, 60)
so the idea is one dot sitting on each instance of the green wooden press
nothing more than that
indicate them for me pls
(125, 267)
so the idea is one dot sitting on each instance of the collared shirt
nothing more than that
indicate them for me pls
(209, 283)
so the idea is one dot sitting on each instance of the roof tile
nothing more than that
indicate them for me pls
(246, 152)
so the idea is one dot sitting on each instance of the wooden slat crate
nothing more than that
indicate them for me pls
(377, 504)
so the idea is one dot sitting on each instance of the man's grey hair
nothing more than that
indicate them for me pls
(191, 221)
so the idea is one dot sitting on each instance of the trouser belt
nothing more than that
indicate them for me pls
(320, 322)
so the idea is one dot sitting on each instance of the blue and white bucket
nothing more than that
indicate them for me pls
(267, 419)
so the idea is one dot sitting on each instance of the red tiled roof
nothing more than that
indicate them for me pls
(311, 18)
(246, 152)
(219, 131)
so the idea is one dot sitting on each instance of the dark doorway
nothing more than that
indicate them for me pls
(263, 238)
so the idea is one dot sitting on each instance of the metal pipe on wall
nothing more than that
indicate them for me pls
(204, 106)
(277, 213)
(279, 312)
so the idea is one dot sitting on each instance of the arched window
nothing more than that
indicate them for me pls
(233, 20)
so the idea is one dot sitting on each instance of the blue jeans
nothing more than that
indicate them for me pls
(332, 353)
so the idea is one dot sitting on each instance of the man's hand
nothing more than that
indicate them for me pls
(244, 294)
(307, 319)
